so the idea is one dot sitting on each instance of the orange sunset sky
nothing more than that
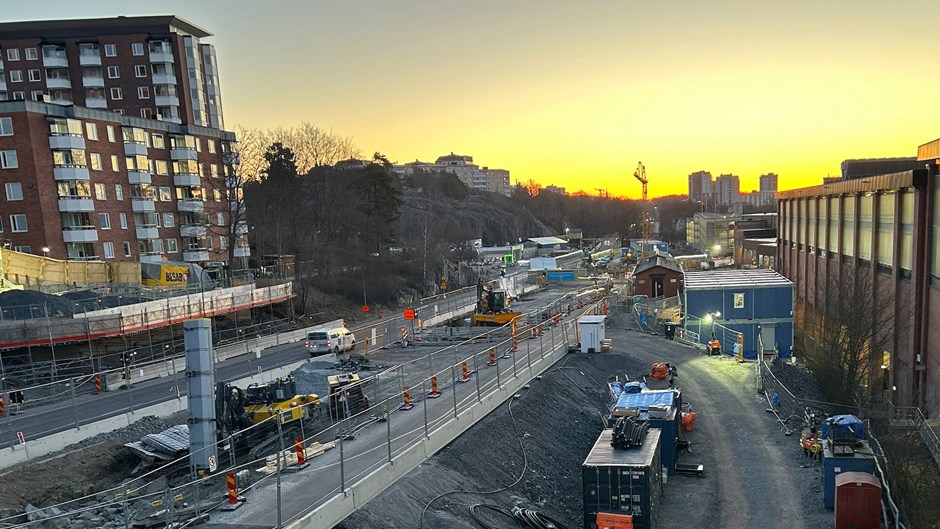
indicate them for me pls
(576, 93)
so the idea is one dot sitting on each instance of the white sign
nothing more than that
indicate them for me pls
(213, 464)
(739, 300)
(21, 437)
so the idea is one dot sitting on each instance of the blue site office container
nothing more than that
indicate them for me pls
(559, 276)
(750, 301)
(863, 460)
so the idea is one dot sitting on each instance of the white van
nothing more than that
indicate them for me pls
(334, 341)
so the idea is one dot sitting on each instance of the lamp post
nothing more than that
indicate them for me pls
(45, 251)
(713, 343)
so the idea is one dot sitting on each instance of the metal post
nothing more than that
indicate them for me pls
(74, 404)
(6, 400)
(277, 465)
(552, 330)
(528, 357)
(541, 346)
(476, 376)
(388, 426)
(424, 392)
(453, 384)
(499, 384)
(342, 470)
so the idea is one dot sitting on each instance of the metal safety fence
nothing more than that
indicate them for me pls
(292, 463)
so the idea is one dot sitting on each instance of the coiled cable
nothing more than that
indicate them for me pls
(526, 518)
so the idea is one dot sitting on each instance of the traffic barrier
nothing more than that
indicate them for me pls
(2, 407)
(464, 372)
(406, 399)
(404, 334)
(301, 456)
(234, 501)
(420, 325)
(533, 334)
(97, 384)
(492, 361)
(568, 313)
(434, 393)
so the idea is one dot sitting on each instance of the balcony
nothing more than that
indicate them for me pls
(54, 83)
(161, 56)
(55, 61)
(70, 173)
(186, 180)
(96, 102)
(135, 176)
(241, 229)
(193, 230)
(182, 154)
(89, 59)
(195, 256)
(3, 83)
(79, 234)
(192, 205)
(135, 149)
(148, 233)
(166, 101)
(242, 251)
(66, 142)
(61, 98)
(76, 204)
(94, 81)
(164, 78)
(142, 205)
(151, 257)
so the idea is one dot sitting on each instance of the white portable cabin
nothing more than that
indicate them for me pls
(591, 331)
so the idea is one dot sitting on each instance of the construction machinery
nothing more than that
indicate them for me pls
(640, 174)
(347, 397)
(492, 306)
(253, 414)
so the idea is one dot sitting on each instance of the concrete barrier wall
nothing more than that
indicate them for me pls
(340, 506)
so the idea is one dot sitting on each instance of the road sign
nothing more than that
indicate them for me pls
(21, 437)
(410, 314)
(365, 308)
(213, 464)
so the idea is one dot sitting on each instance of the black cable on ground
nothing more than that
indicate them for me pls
(526, 518)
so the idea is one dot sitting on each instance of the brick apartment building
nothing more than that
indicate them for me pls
(112, 143)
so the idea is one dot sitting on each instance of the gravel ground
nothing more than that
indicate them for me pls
(755, 476)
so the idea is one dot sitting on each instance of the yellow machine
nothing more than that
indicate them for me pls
(238, 409)
(347, 397)
(492, 307)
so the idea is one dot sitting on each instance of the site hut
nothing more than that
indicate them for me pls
(752, 302)
(591, 331)
(657, 275)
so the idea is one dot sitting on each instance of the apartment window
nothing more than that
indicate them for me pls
(16, 76)
(209, 243)
(165, 194)
(146, 113)
(34, 76)
(14, 190)
(18, 223)
(158, 141)
(127, 248)
(137, 49)
(6, 126)
(105, 220)
(143, 92)
(122, 218)
(23, 249)
(211, 144)
(13, 54)
(32, 54)
(118, 192)
(140, 70)
(8, 160)
(114, 72)
(213, 170)
(220, 219)
(108, 250)
(115, 164)
(110, 50)
(36, 95)
(91, 131)
(161, 167)
(101, 192)
(172, 246)
(95, 161)
(223, 242)
(19, 96)
(158, 245)
(117, 94)
(111, 133)
(198, 144)
(168, 220)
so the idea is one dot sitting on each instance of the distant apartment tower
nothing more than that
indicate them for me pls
(768, 182)
(728, 189)
(554, 189)
(153, 67)
(111, 142)
(462, 166)
(700, 186)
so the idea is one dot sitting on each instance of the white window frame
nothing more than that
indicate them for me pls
(16, 76)
(135, 47)
(111, 136)
(34, 78)
(143, 92)
(94, 161)
(172, 246)
(14, 191)
(6, 126)
(127, 248)
(118, 192)
(211, 144)
(169, 221)
(7, 161)
(101, 192)
(220, 219)
(32, 54)
(120, 95)
(122, 218)
(13, 54)
(14, 228)
(158, 141)
(140, 70)
(37, 95)
(116, 70)
(110, 50)
(19, 95)
(223, 242)
(146, 113)
(115, 163)
(91, 131)
(108, 249)
(104, 219)
(168, 197)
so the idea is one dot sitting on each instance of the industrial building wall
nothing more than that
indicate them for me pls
(745, 310)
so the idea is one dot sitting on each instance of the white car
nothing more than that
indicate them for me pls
(334, 341)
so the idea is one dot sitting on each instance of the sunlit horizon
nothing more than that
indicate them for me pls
(576, 94)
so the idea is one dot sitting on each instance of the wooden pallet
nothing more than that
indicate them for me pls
(289, 457)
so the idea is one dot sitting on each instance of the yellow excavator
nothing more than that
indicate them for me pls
(492, 306)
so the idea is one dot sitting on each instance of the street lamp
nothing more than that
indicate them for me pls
(45, 251)
(713, 344)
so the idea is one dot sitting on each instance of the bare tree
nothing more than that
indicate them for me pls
(311, 145)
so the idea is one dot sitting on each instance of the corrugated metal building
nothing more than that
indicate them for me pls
(752, 302)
